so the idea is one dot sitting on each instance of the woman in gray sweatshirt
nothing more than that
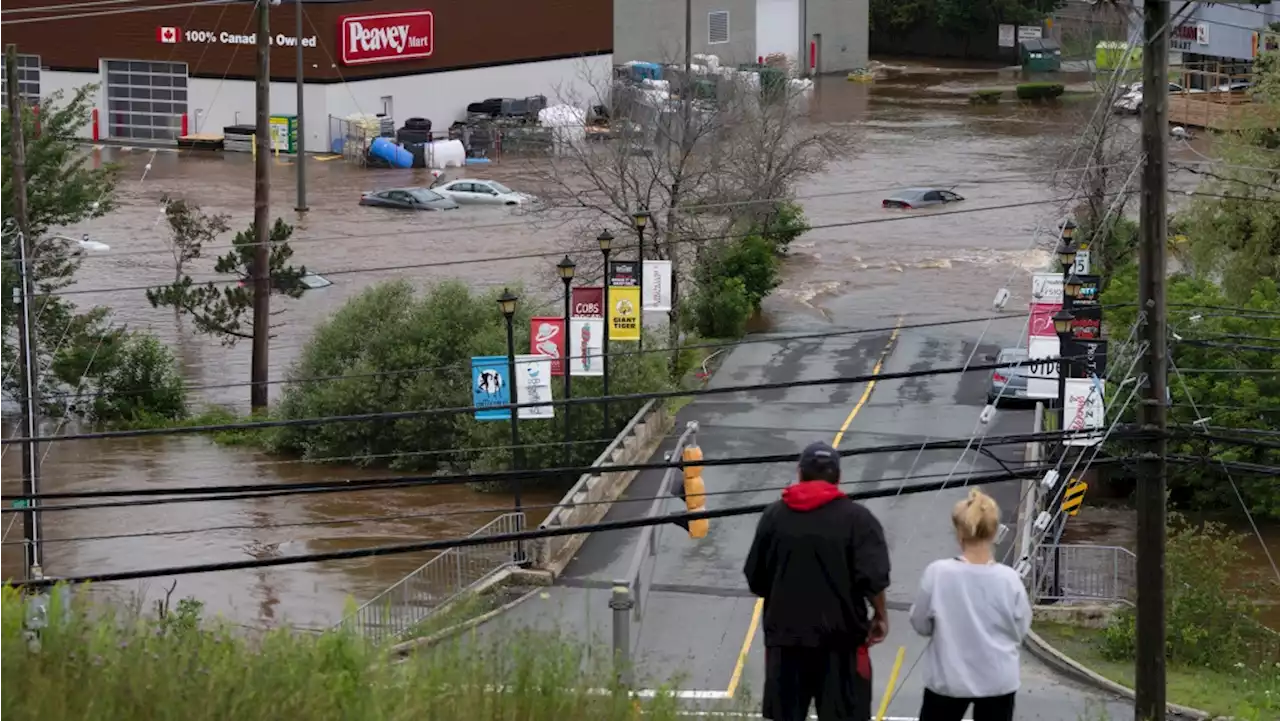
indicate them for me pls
(975, 613)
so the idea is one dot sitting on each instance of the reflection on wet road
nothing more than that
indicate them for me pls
(909, 132)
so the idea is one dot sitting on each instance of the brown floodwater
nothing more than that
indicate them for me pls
(912, 128)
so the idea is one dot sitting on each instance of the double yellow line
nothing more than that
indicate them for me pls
(736, 678)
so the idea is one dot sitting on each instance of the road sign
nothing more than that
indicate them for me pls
(1074, 497)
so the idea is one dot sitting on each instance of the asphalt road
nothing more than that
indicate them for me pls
(699, 622)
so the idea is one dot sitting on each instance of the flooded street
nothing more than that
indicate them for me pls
(918, 129)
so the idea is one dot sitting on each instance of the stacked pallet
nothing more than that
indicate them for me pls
(238, 138)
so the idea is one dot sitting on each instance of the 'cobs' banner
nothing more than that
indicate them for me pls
(587, 302)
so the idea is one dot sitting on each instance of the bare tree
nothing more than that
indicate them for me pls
(190, 228)
(706, 153)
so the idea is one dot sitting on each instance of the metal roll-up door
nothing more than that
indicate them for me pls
(145, 100)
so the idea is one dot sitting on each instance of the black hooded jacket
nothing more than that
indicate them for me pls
(817, 559)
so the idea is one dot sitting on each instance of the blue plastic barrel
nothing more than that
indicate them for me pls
(397, 156)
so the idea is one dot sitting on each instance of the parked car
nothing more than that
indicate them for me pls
(1009, 384)
(408, 199)
(481, 192)
(919, 198)
(1131, 100)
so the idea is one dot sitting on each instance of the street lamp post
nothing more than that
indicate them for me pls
(507, 302)
(640, 219)
(1062, 326)
(605, 239)
(567, 268)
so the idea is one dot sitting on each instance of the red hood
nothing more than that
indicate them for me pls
(808, 495)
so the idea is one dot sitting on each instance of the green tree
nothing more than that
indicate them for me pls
(144, 384)
(62, 189)
(225, 310)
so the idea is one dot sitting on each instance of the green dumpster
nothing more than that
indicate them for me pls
(1040, 55)
(284, 133)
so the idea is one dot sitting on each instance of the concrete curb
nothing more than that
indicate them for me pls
(1067, 666)
(404, 649)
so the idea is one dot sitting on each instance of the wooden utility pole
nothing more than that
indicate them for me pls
(262, 215)
(30, 385)
(1149, 676)
(300, 156)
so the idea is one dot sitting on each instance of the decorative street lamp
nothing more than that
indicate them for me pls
(1066, 255)
(507, 302)
(639, 220)
(605, 239)
(1068, 230)
(567, 268)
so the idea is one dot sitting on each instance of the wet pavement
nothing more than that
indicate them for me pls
(913, 130)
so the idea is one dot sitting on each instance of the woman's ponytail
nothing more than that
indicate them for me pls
(976, 518)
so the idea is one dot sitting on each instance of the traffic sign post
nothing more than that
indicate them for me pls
(1073, 498)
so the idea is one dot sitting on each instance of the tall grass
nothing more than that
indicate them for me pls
(104, 664)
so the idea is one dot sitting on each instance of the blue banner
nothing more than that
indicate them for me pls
(490, 386)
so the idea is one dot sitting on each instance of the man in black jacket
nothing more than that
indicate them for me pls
(817, 560)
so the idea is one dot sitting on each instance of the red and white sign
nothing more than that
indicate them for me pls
(547, 339)
(386, 37)
(587, 302)
(1041, 324)
(168, 34)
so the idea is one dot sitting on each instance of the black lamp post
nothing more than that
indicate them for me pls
(1066, 252)
(605, 239)
(507, 302)
(639, 220)
(567, 268)
(1062, 326)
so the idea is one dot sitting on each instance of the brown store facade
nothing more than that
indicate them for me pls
(190, 68)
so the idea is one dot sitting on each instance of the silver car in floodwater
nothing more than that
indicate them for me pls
(1009, 384)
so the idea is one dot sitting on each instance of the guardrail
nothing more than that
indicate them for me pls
(588, 500)
(631, 593)
(399, 609)
(1075, 572)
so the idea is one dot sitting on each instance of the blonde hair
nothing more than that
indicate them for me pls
(976, 518)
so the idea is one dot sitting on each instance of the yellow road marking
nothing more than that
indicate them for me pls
(893, 681)
(736, 677)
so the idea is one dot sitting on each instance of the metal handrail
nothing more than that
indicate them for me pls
(1073, 572)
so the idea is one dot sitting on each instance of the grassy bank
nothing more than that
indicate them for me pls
(1248, 694)
(108, 665)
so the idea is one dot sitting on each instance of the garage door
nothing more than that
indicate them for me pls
(778, 28)
(145, 100)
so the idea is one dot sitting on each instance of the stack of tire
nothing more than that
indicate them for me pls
(415, 130)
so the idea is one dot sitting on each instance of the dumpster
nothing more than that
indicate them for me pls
(1040, 55)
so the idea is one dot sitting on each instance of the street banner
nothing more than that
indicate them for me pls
(586, 346)
(1085, 410)
(1087, 323)
(489, 387)
(587, 302)
(657, 285)
(1089, 289)
(1088, 358)
(1046, 288)
(624, 313)
(533, 385)
(624, 274)
(546, 338)
(1041, 324)
(1042, 378)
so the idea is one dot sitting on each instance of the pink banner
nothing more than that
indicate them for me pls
(1042, 320)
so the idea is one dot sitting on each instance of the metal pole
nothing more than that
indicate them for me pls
(26, 323)
(1149, 675)
(604, 346)
(301, 157)
(622, 603)
(262, 214)
(640, 280)
(1064, 367)
(568, 376)
(516, 460)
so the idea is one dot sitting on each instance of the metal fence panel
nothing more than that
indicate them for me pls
(1074, 572)
(402, 607)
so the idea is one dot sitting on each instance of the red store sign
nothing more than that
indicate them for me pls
(386, 37)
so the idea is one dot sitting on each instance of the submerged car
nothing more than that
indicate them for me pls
(408, 199)
(1009, 384)
(912, 198)
(481, 192)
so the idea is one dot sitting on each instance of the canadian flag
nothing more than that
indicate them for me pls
(167, 34)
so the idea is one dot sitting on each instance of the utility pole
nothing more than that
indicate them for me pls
(301, 157)
(1149, 676)
(262, 214)
(26, 323)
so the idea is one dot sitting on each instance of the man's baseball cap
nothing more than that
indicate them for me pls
(819, 460)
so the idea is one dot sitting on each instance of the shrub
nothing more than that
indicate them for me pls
(1211, 618)
(720, 309)
(784, 225)
(985, 97)
(1040, 91)
(142, 382)
(752, 260)
(106, 664)
(394, 351)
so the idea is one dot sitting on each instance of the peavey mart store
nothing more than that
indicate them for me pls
(163, 72)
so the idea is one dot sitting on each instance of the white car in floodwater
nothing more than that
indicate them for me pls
(481, 192)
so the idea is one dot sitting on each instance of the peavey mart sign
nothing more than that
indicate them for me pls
(386, 37)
